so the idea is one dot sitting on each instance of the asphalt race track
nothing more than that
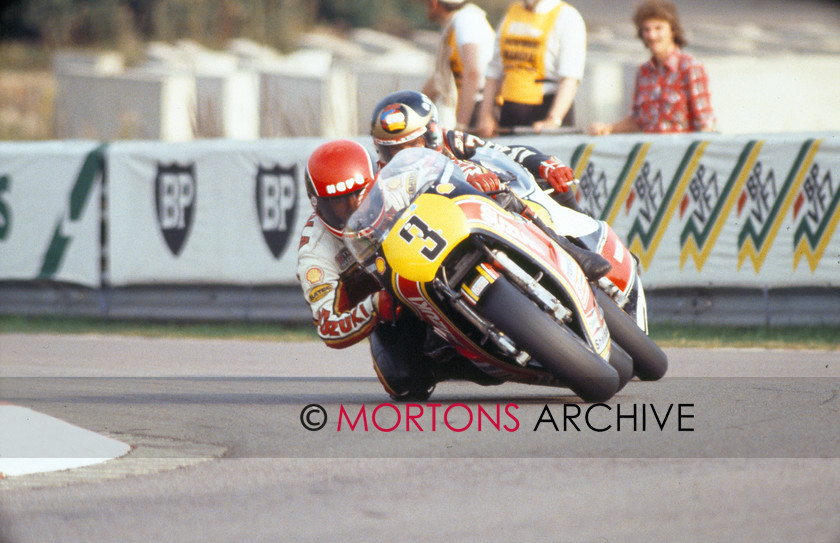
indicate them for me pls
(732, 445)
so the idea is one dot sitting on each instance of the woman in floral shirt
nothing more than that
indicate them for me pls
(672, 89)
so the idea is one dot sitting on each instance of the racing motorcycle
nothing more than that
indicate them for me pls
(490, 282)
(620, 294)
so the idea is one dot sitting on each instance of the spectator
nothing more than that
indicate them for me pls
(537, 65)
(672, 89)
(466, 45)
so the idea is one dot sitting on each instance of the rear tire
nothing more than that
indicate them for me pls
(554, 346)
(649, 362)
(623, 364)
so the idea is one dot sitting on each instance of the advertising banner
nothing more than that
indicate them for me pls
(213, 211)
(50, 214)
(699, 210)
(713, 210)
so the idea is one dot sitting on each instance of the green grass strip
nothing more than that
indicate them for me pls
(175, 329)
(666, 335)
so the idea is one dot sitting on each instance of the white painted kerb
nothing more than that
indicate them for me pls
(31, 442)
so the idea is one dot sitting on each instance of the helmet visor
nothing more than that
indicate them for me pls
(337, 209)
(387, 152)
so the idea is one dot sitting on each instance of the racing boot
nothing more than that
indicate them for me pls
(594, 266)
(567, 199)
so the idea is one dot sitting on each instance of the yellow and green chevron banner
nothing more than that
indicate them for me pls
(716, 210)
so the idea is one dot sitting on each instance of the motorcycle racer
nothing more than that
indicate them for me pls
(337, 175)
(407, 118)
(347, 304)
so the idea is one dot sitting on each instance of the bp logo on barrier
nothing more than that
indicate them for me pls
(276, 199)
(175, 193)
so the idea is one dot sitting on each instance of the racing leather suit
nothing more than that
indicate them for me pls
(339, 292)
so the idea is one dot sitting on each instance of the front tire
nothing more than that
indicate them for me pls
(554, 346)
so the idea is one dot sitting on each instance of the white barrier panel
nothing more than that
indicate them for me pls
(49, 211)
(713, 210)
(226, 106)
(215, 211)
(134, 105)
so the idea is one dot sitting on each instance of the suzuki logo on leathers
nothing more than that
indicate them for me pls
(175, 193)
(276, 198)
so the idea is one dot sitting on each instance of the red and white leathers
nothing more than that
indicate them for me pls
(345, 302)
(342, 299)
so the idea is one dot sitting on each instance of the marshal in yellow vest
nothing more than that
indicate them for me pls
(455, 62)
(523, 40)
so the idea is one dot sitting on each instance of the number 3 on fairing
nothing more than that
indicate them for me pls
(430, 251)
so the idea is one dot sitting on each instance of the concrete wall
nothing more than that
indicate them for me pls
(762, 79)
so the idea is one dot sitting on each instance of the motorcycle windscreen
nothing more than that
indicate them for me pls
(408, 174)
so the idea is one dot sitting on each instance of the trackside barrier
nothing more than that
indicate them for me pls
(710, 210)
(701, 211)
(206, 212)
(50, 211)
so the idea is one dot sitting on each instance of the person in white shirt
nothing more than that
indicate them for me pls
(537, 65)
(465, 49)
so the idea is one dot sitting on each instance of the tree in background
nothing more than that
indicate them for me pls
(112, 23)
(397, 17)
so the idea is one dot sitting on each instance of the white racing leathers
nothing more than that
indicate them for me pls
(339, 293)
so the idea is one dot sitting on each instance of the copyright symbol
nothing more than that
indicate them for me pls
(310, 418)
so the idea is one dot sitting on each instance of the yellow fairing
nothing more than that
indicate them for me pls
(422, 238)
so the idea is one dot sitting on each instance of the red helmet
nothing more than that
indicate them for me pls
(337, 176)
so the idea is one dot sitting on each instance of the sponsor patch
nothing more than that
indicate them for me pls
(394, 183)
(314, 275)
(380, 265)
(318, 293)
(411, 183)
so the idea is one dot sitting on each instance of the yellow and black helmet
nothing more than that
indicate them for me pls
(401, 118)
